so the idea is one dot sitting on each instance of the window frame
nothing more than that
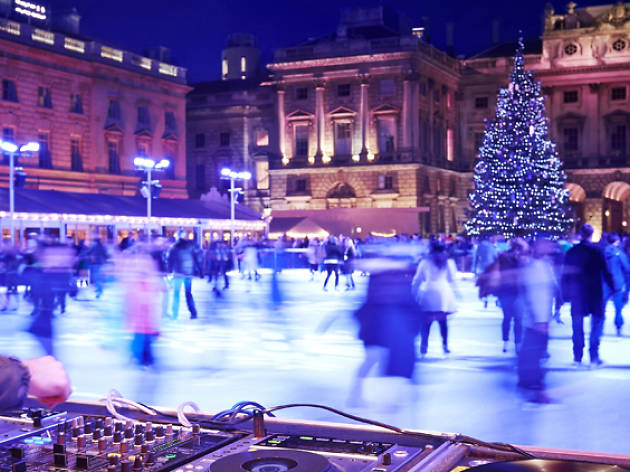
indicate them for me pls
(481, 102)
(224, 139)
(344, 90)
(566, 95)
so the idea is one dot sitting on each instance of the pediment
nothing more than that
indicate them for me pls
(299, 115)
(386, 108)
(342, 111)
(571, 116)
(113, 127)
(144, 133)
(617, 114)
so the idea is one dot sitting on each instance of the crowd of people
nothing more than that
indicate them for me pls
(412, 283)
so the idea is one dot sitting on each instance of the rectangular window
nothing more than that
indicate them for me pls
(76, 104)
(144, 121)
(300, 185)
(301, 93)
(8, 134)
(200, 177)
(618, 93)
(9, 91)
(437, 140)
(262, 175)
(450, 146)
(262, 137)
(75, 155)
(142, 149)
(170, 125)
(243, 64)
(386, 87)
(301, 140)
(224, 68)
(343, 90)
(436, 95)
(618, 140)
(224, 139)
(385, 182)
(343, 139)
(570, 96)
(113, 111)
(570, 136)
(423, 89)
(386, 135)
(481, 103)
(112, 154)
(45, 161)
(44, 99)
(200, 140)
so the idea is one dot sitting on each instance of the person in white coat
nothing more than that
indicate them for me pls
(434, 287)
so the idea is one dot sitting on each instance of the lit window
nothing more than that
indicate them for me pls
(243, 64)
(262, 175)
(618, 93)
(224, 68)
(386, 135)
(570, 96)
(43, 97)
(262, 137)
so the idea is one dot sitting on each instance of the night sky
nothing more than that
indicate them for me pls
(196, 30)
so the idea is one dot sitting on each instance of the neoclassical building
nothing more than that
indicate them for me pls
(583, 62)
(91, 107)
(373, 116)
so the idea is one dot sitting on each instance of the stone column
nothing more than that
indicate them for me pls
(406, 118)
(319, 119)
(363, 118)
(246, 164)
(281, 124)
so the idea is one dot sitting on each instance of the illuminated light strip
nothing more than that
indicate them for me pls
(168, 69)
(43, 36)
(74, 45)
(145, 63)
(111, 53)
(32, 14)
(10, 27)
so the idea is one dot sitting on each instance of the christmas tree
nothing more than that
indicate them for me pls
(518, 179)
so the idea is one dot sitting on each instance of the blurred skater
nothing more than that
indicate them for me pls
(434, 288)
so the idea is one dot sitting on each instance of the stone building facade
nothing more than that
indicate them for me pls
(91, 107)
(583, 62)
(375, 117)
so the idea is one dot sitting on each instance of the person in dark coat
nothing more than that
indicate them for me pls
(184, 263)
(387, 322)
(584, 277)
(620, 270)
(334, 257)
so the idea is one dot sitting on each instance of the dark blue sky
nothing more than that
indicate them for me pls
(196, 30)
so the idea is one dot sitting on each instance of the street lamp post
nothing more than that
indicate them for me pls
(233, 176)
(148, 165)
(13, 150)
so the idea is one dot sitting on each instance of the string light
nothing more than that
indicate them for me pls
(518, 180)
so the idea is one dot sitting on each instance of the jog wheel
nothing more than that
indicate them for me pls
(280, 460)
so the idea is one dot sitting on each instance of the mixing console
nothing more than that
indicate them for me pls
(56, 441)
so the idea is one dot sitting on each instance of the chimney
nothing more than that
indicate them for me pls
(426, 21)
(450, 38)
(496, 31)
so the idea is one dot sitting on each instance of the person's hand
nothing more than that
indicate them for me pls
(49, 383)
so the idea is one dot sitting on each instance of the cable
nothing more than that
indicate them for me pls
(114, 397)
(181, 416)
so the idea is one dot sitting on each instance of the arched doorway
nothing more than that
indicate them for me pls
(342, 195)
(615, 208)
(577, 195)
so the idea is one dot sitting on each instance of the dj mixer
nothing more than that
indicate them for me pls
(83, 437)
